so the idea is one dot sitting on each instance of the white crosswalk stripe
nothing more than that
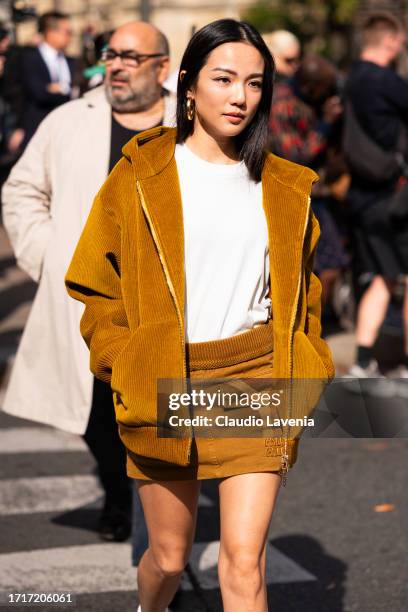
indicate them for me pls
(95, 568)
(53, 494)
(47, 494)
(38, 439)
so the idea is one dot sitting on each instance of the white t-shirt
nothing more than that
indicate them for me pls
(226, 248)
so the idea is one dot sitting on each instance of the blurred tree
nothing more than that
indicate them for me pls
(322, 27)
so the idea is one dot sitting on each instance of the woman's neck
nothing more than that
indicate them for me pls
(211, 149)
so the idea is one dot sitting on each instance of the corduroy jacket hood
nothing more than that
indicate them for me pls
(128, 270)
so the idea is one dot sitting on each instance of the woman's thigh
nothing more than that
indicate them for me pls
(246, 505)
(170, 509)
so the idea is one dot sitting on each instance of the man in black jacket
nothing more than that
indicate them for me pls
(46, 73)
(379, 100)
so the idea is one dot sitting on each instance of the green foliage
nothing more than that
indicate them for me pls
(312, 21)
(267, 16)
(304, 18)
(345, 10)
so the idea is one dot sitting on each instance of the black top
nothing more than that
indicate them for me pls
(119, 137)
(380, 100)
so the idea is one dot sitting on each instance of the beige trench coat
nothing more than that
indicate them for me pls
(46, 202)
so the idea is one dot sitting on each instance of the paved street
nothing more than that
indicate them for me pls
(338, 540)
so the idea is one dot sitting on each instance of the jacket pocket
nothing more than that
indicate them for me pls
(153, 352)
(310, 376)
(307, 362)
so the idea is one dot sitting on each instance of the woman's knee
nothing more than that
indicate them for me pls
(240, 562)
(170, 560)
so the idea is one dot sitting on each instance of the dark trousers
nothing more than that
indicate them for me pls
(103, 440)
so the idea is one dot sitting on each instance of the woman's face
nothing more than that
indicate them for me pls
(228, 89)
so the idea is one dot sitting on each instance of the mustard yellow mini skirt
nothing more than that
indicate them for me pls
(246, 355)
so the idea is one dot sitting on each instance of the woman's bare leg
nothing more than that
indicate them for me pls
(170, 509)
(246, 505)
(372, 310)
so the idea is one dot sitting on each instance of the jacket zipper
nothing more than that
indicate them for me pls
(285, 457)
(172, 291)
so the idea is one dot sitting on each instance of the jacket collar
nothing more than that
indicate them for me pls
(151, 151)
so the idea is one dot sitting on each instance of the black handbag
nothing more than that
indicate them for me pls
(369, 161)
(365, 158)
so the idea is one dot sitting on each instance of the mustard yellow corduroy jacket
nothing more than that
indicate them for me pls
(128, 270)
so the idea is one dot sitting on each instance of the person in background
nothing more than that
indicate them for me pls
(304, 128)
(93, 73)
(8, 118)
(46, 72)
(13, 98)
(304, 110)
(286, 51)
(379, 99)
(4, 45)
(46, 201)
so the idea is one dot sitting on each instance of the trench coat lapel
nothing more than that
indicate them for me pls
(162, 197)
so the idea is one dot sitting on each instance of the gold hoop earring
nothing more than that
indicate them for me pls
(190, 109)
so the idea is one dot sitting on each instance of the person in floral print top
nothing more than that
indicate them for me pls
(304, 108)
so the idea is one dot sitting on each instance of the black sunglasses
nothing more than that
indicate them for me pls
(132, 60)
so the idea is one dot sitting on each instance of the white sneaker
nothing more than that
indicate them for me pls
(370, 371)
(400, 379)
(400, 372)
(379, 386)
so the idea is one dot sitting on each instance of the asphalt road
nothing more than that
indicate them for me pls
(330, 549)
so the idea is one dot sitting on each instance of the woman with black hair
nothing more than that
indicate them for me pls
(196, 264)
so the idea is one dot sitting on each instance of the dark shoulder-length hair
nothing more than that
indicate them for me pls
(252, 141)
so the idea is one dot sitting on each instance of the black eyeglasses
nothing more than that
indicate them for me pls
(132, 60)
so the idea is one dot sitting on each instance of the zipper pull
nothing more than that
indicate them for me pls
(284, 469)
